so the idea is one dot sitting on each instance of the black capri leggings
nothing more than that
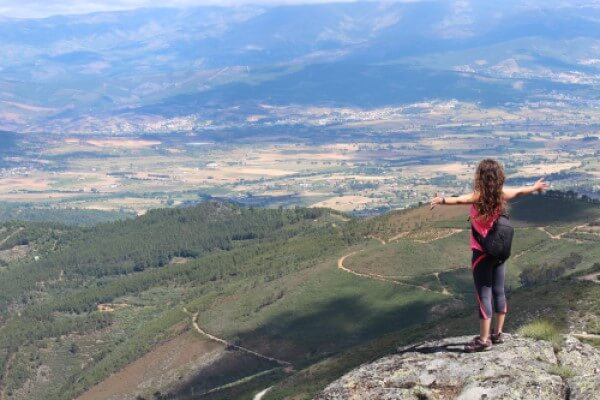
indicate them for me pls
(488, 275)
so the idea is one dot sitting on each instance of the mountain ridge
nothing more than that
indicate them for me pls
(126, 65)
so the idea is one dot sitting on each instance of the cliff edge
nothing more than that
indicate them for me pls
(519, 369)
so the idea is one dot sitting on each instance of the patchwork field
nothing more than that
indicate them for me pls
(362, 175)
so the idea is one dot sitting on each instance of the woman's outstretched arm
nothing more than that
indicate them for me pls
(539, 186)
(468, 198)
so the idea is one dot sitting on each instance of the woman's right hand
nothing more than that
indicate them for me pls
(541, 185)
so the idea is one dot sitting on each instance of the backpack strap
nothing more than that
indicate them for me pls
(478, 237)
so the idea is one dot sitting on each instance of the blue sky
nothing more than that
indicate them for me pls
(44, 8)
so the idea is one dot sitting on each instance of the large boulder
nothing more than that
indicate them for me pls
(519, 369)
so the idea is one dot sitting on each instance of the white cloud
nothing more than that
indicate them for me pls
(45, 8)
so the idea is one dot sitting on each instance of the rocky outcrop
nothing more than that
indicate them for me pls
(519, 369)
(583, 361)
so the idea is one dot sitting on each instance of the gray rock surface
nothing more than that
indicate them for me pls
(519, 369)
(583, 361)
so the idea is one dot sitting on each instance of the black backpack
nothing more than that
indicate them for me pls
(498, 241)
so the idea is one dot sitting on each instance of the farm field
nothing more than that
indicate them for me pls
(363, 175)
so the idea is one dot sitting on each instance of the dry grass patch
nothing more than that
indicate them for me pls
(158, 368)
(345, 203)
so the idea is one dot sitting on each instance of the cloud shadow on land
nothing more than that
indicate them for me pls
(233, 366)
(545, 210)
(304, 338)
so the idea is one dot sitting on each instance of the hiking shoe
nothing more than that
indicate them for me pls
(497, 338)
(477, 344)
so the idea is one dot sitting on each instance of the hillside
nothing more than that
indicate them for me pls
(221, 302)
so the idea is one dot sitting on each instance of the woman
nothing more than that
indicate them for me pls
(488, 202)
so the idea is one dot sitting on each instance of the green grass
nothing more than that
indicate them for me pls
(459, 282)
(408, 258)
(559, 229)
(562, 371)
(542, 330)
(551, 252)
(527, 239)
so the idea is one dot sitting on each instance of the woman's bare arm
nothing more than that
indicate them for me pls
(468, 198)
(511, 193)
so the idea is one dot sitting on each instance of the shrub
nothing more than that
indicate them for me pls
(534, 275)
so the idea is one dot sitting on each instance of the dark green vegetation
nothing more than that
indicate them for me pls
(67, 216)
(268, 280)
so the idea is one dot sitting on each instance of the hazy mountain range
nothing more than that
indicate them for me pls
(152, 66)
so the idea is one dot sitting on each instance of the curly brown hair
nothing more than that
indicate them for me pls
(489, 180)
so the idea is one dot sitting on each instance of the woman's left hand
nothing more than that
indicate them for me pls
(436, 200)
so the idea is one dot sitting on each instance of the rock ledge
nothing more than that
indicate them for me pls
(519, 369)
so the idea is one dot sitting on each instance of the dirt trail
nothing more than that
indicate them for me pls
(452, 232)
(395, 279)
(382, 278)
(380, 240)
(233, 346)
(398, 236)
(260, 395)
(10, 236)
(560, 235)
(520, 254)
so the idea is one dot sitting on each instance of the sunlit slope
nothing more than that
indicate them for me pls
(417, 244)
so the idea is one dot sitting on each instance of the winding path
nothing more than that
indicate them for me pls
(383, 278)
(234, 346)
(560, 235)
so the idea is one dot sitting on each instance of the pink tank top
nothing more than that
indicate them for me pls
(481, 225)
